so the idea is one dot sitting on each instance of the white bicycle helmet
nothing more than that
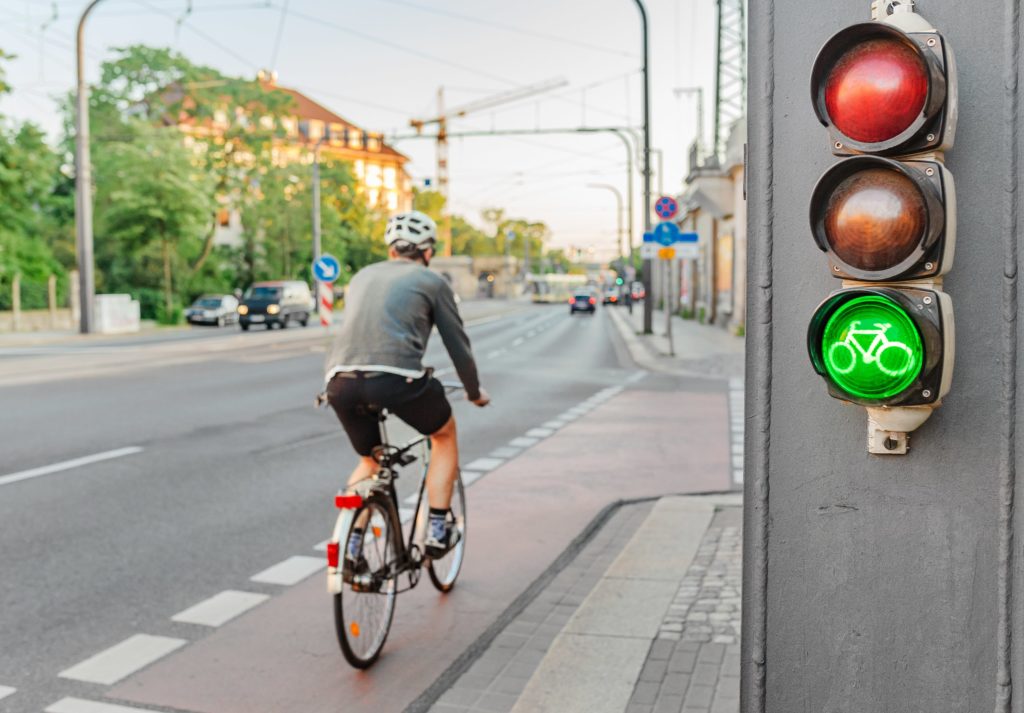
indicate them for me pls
(412, 227)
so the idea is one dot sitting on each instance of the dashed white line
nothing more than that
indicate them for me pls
(556, 424)
(485, 464)
(569, 416)
(469, 477)
(496, 353)
(405, 514)
(68, 464)
(539, 433)
(523, 442)
(80, 705)
(291, 571)
(517, 341)
(506, 452)
(6, 691)
(321, 546)
(220, 608)
(121, 660)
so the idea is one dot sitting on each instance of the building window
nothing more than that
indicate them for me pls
(372, 143)
(389, 177)
(392, 200)
(355, 138)
(373, 176)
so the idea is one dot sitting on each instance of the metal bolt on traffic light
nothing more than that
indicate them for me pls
(886, 218)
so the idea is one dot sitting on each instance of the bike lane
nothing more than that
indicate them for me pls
(283, 655)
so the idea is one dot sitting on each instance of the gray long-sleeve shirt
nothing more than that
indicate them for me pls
(390, 309)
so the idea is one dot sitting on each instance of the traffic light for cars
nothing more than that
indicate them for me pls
(885, 216)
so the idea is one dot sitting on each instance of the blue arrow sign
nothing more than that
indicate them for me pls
(688, 238)
(326, 268)
(649, 237)
(666, 233)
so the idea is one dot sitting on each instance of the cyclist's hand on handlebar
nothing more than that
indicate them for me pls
(483, 399)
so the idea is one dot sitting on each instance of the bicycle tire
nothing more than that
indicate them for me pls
(852, 357)
(445, 570)
(907, 360)
(362, 618)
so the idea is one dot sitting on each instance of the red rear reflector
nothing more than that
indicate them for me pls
(332, 554)
(348, 502)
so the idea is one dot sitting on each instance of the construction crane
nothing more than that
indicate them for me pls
(442, 119)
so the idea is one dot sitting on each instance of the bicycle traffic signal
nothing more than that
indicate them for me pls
(885, 216)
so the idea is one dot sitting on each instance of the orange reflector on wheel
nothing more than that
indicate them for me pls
(348, 502)
(354, 628)
(376, 531)
(333, 549)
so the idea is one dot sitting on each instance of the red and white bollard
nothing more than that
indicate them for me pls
(326, 303)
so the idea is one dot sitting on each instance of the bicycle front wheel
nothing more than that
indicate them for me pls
(444, 570)
(364, 608)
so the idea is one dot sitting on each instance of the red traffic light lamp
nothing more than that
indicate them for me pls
(883, 88)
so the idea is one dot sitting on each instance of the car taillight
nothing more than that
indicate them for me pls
(593, 301)
(572, 300)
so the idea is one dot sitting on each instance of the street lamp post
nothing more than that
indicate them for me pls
(315, 198)
(83, 183)
(648, 306)
(618, 213)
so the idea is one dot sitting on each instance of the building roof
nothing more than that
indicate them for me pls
(307, 108)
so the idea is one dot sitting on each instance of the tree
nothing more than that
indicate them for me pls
(153, 212)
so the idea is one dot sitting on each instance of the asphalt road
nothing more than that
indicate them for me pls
(236, 471)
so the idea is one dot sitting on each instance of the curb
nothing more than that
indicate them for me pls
(644, 354)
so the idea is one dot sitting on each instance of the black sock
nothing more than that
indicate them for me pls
(438, 512)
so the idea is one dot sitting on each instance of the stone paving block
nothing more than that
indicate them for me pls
(726, 706)
(682, 661)
(699, 697)
(711, 653)
(669, 703)
(509, 684)
(639, 708)
(705, 674)
(661, 649)
(653, 670)
(675, 683)
(495, 703)
(445, 708)
(459, 697)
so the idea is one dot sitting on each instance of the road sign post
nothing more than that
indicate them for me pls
(326, 270)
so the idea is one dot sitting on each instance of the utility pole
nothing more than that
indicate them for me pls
(316, 206)
(442, 173)
(648, 306)
(83, 183)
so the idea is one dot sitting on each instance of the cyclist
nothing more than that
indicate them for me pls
(390, 309)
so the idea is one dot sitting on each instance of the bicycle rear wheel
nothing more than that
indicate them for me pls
(444, 570)
(364, 608)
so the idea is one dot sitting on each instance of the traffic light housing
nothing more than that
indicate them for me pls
(885, 215)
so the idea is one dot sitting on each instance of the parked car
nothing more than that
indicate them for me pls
(582, 301)
(611, 295)
(278, 302)
(213, 309)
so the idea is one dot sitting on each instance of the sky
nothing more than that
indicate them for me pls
(379, 63)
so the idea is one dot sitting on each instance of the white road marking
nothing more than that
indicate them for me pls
(530, 333)
(505, 452)
(321, 546)
(523, 442)
(6, 691)
(539, 433)
(635, 377)
(556, 424)
(517, 341)
(405, 514)
(291, 571)
(121, 660)
(411, 499)
(469, 477)
(568, 416)
(496, 353)
(485, 464)
(69, 464)
(80, 705)
(220, 608)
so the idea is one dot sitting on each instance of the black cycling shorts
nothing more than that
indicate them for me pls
(357, 398)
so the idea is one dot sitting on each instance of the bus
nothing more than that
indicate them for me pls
(552, 287)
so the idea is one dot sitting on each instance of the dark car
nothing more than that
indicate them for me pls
(213, 309)
(277, 303)
(582, 301)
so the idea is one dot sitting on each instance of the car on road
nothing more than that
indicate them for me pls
(611, 295)
(582, 301)
(279, 302)
(637, 291)
(213, 309)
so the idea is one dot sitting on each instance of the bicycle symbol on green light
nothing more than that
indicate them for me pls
(890, 357)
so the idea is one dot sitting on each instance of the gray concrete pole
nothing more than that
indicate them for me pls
(315, 199)
(648, 306)
(83, 182)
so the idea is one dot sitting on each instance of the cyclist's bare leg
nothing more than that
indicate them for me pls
(366, 467)
(444, 466)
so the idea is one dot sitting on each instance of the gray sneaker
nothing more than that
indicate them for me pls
(437, 544)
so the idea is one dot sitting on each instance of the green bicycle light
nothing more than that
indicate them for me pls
(871, 348)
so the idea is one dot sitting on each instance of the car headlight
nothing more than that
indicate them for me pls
(273, 309)
(242, 309)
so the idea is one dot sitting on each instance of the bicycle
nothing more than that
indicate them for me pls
(873, 354)
(366, 587)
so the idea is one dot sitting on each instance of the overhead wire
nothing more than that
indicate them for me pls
(280, 32)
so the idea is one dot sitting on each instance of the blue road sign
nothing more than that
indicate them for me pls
(688, 238)
(327, 268)
(649, 237)
(666, 233)
(666, 207)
